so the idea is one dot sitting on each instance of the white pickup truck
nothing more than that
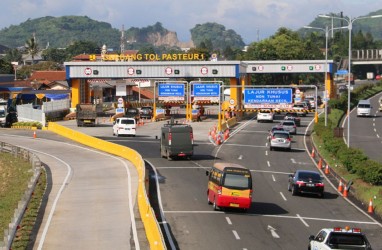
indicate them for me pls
(339, 238)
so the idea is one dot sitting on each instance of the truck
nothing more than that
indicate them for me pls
(86, 114)
(177, 140)
(339, 238)
(352, 78)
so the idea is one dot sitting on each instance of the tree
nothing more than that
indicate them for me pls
(13, 55)
(82, 47)
(55, 55)
(5, 67)
(32, 48)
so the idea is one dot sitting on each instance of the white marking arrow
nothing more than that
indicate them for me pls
(273, 232)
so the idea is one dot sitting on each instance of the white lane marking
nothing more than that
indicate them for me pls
(240, 157)
(304, 222)
(293, 160)
(131, 207)
(282, 195)
(278, 216)
(228, 220)
(373, 124)
(375, 130)
(273, 178)
(273, 232)
(378, 135)
(264, 171)
(166, 228)
(236, 235)
(266, 152)
(269, 164)
(243, 145)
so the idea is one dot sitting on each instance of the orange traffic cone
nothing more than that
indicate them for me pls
(319, 165)
(370, 209)
(340, 186)
(327, 171)
(34, 134)
(345, 193)
(313, 153)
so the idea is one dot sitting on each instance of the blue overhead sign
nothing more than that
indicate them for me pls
(171, 89)
(207, 89)
(257, 96)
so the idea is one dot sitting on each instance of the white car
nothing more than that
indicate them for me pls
(300, 108)
(339, 238)
(265, 115)
(124, 126)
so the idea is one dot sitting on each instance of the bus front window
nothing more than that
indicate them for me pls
(237, 181)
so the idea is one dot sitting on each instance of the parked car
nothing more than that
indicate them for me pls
(265, 115)
(124, 126)
(281, 140)
(342, 88)
(293, 117)
(146, 112)
(289, 126)
(306, 181)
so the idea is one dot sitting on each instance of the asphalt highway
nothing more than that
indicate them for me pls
(276, 220)
(89, 203)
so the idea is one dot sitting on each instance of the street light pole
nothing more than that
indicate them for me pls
(350, 21)
(326, 30)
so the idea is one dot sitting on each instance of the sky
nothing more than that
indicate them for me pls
(253, 20)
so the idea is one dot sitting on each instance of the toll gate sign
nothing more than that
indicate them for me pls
(267, 96)
(171, 92)
(206, 90)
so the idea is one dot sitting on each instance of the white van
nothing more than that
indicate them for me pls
(364, 108)
(124, 126)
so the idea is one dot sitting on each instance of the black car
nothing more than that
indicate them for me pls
(146, 112)
(306, 181)
(294, 117)
(342, 88)
(133, 113)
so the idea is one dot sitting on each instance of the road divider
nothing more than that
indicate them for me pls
(152, 228)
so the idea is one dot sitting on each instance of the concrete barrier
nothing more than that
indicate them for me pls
(152, 228)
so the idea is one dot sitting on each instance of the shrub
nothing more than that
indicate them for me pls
(372, 172)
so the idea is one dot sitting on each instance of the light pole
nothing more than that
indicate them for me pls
(326, 30)
(350, 21)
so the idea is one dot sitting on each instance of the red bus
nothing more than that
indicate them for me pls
(229, 185)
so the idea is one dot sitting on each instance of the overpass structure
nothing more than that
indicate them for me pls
(367, 56)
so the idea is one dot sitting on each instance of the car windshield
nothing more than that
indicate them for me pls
(363, 106)
(281, 135)
(307, 176)
(288, 123)
(291, 114)
(127, 121)
(277, 129)
(132, 111)
(347, 239)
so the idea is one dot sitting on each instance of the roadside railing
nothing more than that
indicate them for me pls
(17, 152)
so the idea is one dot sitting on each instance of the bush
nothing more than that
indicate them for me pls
(372, 172)
(38, 125)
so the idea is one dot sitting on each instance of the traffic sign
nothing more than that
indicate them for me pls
(252, 96)
(207, 89)
(171, 89)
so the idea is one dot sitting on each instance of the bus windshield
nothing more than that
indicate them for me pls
(237, 181)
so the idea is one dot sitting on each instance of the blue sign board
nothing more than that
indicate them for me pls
(207, 89)
(171, 89)
(256, 96)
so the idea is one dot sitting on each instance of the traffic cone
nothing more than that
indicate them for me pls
(34, 135)
(319, 165)
(327, 171)
(345, 193)
(340, 186)
(370, 209)
(313, 153)
(226, 134)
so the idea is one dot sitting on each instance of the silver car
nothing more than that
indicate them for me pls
(290, 126)
(280, 139)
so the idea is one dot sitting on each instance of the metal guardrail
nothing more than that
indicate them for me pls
(17, 152)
